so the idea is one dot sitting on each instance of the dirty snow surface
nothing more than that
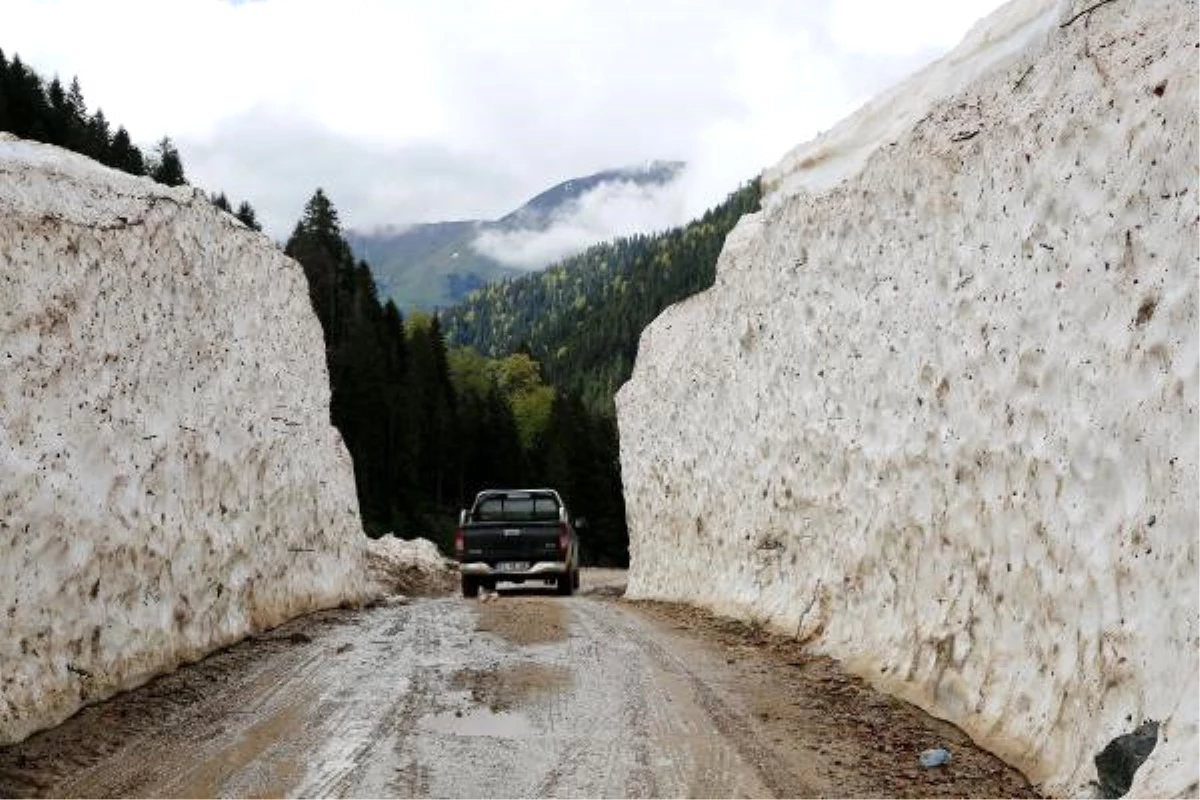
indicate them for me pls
(169, 478)
(938, 415)
(401, 567)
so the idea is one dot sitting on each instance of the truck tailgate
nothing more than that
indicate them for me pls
(500, 541)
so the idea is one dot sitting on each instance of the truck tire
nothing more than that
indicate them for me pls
(566, 584)
(575, 578)
(470, 586)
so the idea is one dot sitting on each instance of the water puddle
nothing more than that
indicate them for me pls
(502, 688)
(480, 721)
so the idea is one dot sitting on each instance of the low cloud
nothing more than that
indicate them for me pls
(370, 184)
(611, 210)
(423, 112)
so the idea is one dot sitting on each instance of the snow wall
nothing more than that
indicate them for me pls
(938, 414)
(169, 477)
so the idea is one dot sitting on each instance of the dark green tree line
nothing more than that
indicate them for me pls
(429, 426)
(45, 112)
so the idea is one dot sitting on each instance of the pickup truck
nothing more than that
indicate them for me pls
(517, 535)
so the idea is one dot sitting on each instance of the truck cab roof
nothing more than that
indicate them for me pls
(499, 505)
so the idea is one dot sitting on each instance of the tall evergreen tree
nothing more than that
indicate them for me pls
(5, 118)
(28, 109)
(245, 213)
(370, 357)
(168, 165)
(318, 245)
(436, 416)
(76, 117)
(398, 424)
(97, 142)
(125, 156)
(60, 129)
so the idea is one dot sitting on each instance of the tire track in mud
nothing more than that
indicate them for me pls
(340, 709)
(814, 719)
(366, 729)
(605, 751)
(527, 695)
(673, 714)
(735, 726)
(247, 720)
(123, 745)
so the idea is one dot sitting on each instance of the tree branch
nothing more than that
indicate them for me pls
(1087, 10)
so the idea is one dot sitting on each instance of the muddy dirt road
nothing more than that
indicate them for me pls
(526, 695)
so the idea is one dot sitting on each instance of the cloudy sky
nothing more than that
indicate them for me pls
(410, 111)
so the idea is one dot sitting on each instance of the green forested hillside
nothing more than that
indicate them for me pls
(581, 318)
(437, 264)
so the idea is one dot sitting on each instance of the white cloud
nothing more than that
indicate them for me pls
(611, 210)
(270, 99)
(871, 27)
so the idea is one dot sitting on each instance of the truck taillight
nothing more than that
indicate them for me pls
(460, 544)
(563, 538)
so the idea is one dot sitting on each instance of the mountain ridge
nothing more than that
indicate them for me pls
(432, 265)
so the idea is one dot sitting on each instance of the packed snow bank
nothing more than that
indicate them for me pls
(169, 478)
(409, 567)
(938, 414)
(838, 153)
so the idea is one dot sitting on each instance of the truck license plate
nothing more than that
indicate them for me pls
(512, 566)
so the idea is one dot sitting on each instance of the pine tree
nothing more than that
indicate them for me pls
(399, 433)
(5, 118)
(318, 245)
(28, 109)
(59, 130)
(125, 155)
(436, 415)
(168, 166)
(76, 117)
(369, 358)
(245, 213)
(98, 139)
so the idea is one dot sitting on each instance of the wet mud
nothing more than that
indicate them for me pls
(521, 694)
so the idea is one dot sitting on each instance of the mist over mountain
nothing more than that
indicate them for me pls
(432, 265)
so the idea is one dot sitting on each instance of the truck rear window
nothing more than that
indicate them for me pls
(516, 508)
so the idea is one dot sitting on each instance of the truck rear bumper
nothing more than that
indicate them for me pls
(537, 569)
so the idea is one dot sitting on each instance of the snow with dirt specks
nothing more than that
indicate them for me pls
(169, 477)
(938, 414)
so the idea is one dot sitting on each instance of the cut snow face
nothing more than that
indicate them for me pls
(169, 477)
(838, 154)
(938, 414)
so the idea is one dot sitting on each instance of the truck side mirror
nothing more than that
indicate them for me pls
(462, 517)
(581, 523)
